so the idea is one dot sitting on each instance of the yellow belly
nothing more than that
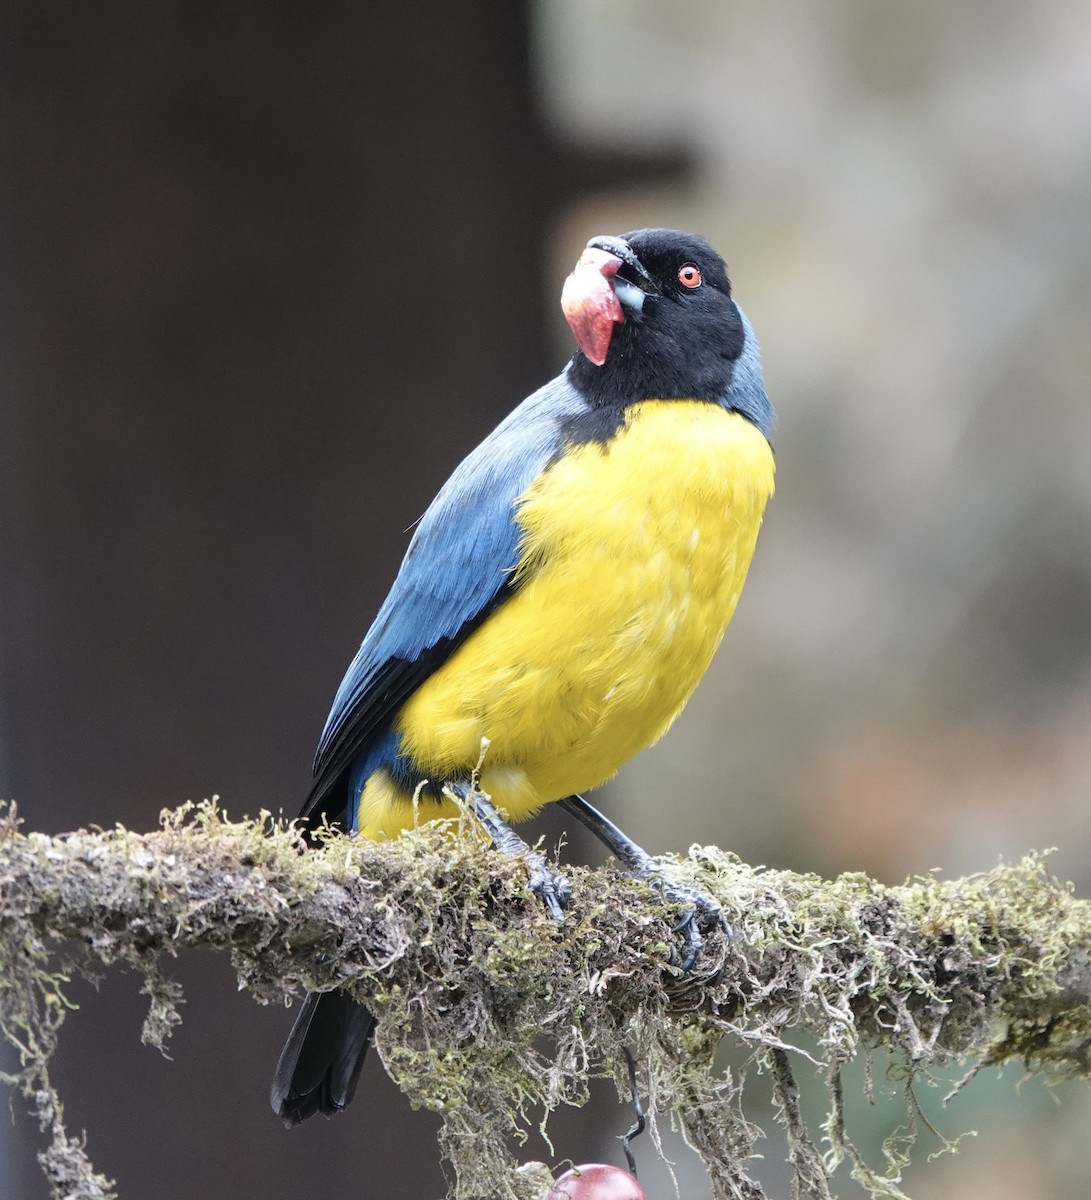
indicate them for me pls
(632, 559)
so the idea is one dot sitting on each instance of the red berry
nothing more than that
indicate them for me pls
(595, 1181)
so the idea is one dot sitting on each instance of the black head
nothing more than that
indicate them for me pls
(654, 314)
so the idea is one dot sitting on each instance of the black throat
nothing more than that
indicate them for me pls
(648, 361)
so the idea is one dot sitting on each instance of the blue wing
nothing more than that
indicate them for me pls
(458, 568)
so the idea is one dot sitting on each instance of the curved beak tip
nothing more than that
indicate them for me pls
(590, 304)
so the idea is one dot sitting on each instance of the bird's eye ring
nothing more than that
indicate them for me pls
(689, 275)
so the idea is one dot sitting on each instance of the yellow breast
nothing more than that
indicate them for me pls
(632, 559)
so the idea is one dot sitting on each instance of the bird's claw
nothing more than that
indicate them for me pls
(552, 888)
(700, 916)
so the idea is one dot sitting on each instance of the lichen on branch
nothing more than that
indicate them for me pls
(489, 1013)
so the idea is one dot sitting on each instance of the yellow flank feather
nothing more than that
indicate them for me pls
(632, 559)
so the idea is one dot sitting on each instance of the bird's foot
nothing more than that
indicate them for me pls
(554, 891)
(700, 915)
(552, 888)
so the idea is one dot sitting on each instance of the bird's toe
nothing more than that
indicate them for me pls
(700, 916)
(552, 888)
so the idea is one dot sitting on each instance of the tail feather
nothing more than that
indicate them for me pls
(321, 1060)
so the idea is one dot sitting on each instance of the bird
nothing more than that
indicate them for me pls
(559, 600)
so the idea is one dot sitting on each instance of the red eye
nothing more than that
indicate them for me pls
(689, 276)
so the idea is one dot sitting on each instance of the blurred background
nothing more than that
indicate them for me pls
(267, 271)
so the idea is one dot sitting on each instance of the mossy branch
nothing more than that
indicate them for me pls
(466, 972)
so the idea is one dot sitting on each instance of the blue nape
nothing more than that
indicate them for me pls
(746, 393)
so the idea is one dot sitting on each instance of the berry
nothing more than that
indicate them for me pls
(596, 1181)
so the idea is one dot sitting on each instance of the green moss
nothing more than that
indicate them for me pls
(490, 1014)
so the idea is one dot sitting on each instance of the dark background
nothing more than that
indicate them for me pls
(267, 271)
(271, 269)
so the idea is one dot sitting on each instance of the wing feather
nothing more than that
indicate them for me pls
(458, 569)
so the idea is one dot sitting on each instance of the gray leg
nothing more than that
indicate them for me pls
(624, 849)
(551, 888)
(701, 913)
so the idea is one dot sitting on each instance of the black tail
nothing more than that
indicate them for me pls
(321, 1060)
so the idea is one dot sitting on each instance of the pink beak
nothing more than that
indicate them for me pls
(590, 305)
